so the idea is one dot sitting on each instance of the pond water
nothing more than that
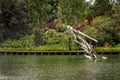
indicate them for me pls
(58, 67)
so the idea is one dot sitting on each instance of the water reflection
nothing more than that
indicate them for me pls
(58, 68)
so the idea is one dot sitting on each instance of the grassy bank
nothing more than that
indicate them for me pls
(58, 48)
(43, 48)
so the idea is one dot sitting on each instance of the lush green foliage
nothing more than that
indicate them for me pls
(15, 20)
(18, 18)
(116, 9)
(41, 11)
(106, 27)
(72, 9)
(91, 31)
(24, 42)
(53, 37)
(57, 47)
(51, 48)
(100, 7)
(110, 48)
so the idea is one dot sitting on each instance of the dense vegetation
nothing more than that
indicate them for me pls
(41, 24)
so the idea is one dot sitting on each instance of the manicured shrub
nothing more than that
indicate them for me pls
(51, 37)
(106, 29)
(24, 42)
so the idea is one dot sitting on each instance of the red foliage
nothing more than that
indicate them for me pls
(118, 29)
(78, 25)
(50, 24)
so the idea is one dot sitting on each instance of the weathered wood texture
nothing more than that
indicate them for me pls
(10, 52)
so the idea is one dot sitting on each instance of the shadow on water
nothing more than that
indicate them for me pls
(58, 68)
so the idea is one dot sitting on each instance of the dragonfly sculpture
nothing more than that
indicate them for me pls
(76, 36)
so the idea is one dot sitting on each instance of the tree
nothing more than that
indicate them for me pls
(107, 27)
(116, 9)
(15, 18)
(100, 7)
(71, 10)
(41, 11)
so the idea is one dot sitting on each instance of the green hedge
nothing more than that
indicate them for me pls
(24, 42)
(110, 48)
(56, 47)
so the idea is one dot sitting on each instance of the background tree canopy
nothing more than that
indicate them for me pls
(21, 18)
(71, 10)
(15, 19)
